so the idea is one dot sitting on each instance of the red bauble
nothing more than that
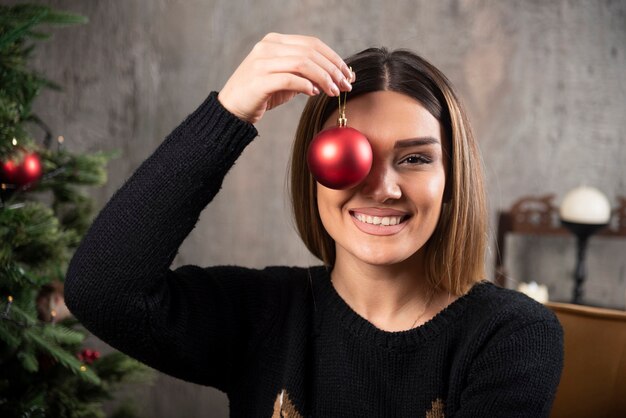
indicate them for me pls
(340, 157)
(9, 173)
(22, 168)
(88, 356)
(31, 168)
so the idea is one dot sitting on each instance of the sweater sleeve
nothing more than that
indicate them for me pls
(517, 375)
(119, 284)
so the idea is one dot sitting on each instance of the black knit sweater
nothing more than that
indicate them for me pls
(280, 341)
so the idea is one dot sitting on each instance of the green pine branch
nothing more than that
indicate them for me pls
(67, 360)
(13, 278)
(40, 374)
(31, 235)
(19, 85)
(116, 368)
(41, 338)
(19, 20)
(62, 335)
(9, 336)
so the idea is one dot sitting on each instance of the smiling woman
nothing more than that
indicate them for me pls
(407, 183)
(397, 322)
(400, 95)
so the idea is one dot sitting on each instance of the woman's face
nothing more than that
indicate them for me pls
(406, 183)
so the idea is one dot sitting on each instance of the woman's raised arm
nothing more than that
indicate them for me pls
(190, 322)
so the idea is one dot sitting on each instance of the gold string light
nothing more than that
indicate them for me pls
(8, 307)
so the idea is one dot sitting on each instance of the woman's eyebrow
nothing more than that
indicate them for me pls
(412, 142)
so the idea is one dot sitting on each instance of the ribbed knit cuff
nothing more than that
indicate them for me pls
(230, 135)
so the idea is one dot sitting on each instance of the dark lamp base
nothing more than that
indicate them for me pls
(582, 232)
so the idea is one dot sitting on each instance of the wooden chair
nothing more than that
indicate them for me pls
(593, 383)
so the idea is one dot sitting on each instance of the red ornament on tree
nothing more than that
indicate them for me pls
(88, 356)
(22, 168)
(340, 157)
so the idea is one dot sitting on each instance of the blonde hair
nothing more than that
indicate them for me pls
(454, 254)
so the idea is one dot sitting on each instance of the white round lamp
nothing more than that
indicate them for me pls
(586, 205)
(584, 211)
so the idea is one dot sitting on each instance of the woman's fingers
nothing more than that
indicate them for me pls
(305, 67)
(278, 67)
(290, 82)
(316, 44)
(294, 85)
(338, 73)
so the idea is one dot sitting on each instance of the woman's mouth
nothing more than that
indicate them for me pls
(379, 225)
(380, 220)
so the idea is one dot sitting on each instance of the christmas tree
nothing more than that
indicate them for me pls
(44, 369)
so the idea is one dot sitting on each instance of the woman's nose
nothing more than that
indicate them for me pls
(381, 183)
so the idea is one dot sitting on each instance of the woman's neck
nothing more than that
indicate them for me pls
(391, 296)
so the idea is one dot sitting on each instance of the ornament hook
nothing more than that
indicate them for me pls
(342, 120)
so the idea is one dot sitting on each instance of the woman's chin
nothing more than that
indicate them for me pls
(378, 259)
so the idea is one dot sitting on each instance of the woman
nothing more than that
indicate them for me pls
(398, 322)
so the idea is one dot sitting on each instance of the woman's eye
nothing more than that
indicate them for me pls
(416, 159)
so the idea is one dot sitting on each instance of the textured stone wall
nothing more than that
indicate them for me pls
(544, 83)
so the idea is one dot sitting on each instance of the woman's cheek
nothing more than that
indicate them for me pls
(330, 204)
(434, 188)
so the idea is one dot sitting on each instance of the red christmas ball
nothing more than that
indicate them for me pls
(9, 172)
(22, 168)
(88, 356)
(340, 157)
(31, 168)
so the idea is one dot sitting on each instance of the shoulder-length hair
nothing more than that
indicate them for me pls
(454, 254)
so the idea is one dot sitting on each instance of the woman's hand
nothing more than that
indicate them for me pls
(279, 67)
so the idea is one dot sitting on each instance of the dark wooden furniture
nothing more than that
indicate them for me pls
(539, 216)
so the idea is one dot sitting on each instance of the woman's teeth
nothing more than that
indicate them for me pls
(378, 220)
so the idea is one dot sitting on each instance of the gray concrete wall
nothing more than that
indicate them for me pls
(544, 82)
